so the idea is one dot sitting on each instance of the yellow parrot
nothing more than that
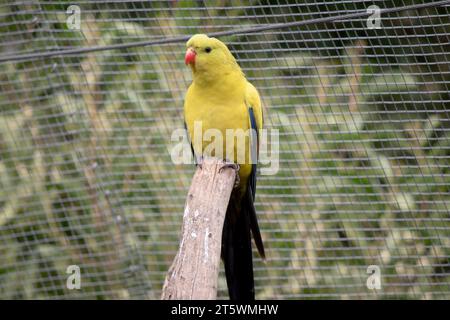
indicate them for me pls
(221, 98)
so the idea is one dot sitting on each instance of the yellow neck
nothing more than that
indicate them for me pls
(221, 83)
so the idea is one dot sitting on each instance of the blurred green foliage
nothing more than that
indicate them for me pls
(86, 176)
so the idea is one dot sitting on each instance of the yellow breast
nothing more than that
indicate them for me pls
(219, 119)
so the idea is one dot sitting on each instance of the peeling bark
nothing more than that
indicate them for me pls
(195, 269)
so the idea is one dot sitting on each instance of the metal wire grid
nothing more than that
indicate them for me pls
(86, 176)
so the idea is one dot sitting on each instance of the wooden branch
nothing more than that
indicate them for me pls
(194, 272)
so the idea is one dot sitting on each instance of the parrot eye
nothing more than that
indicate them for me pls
(208, 49)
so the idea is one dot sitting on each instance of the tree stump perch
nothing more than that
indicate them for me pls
(195, 269)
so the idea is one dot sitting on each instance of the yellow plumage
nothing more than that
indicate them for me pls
(220, 96)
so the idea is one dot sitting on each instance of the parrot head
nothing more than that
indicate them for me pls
(209, 56)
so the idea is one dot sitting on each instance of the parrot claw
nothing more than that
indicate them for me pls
(236, 167)
(199, 162)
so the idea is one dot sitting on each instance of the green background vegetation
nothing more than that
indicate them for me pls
(86, 176)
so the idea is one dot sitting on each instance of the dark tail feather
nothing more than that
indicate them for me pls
(237, 251)
(254, 224)
(237, 247)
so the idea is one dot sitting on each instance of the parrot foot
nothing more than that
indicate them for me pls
(236, 167)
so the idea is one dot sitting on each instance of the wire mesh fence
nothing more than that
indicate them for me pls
(91, 92)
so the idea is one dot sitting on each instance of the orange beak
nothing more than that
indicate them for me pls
(190, 56)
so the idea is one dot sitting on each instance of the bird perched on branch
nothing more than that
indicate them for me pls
(220, 98)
